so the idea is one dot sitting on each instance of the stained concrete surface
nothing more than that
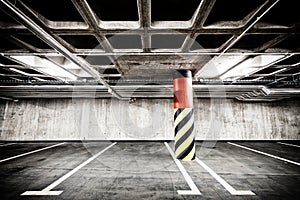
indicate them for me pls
(146, 170)
(108, 119)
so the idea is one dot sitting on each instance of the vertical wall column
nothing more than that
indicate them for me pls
(183, 115)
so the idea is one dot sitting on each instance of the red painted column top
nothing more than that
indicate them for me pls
(183, 90)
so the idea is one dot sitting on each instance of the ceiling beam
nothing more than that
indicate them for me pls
(265, 9)
(157, 53)
(51, 41)
(266, 29)
(92, 20)
(144, 12)
(201, 15)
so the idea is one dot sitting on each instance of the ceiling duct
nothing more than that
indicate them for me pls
(269, 94)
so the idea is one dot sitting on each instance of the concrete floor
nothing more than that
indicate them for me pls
(146, 170)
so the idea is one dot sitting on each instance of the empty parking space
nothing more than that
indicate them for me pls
(272, 152)
(19, 150)
(244, 169)
(147, 170)
(36, 171)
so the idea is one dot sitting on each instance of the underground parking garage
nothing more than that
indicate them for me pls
(149, 99)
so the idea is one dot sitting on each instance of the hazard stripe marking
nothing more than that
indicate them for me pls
(183, 119)
(184, 136)
(180, 114)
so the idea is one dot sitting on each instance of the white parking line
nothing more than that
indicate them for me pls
(226, 185)
(194, 190)
(266, 154)
(47, 190)
(292, 145)
(3, 145)
(31, 152)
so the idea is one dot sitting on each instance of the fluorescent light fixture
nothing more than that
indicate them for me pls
(70, 66)
(251, 66)
(218, 65)
(46, 66)
(62, 61)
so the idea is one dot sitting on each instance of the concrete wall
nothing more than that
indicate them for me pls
(151, 119)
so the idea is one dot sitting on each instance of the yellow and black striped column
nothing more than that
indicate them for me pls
(183, 115)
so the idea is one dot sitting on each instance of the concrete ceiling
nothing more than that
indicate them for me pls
(129, 48)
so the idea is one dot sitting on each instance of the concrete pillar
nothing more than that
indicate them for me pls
(183, 115)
